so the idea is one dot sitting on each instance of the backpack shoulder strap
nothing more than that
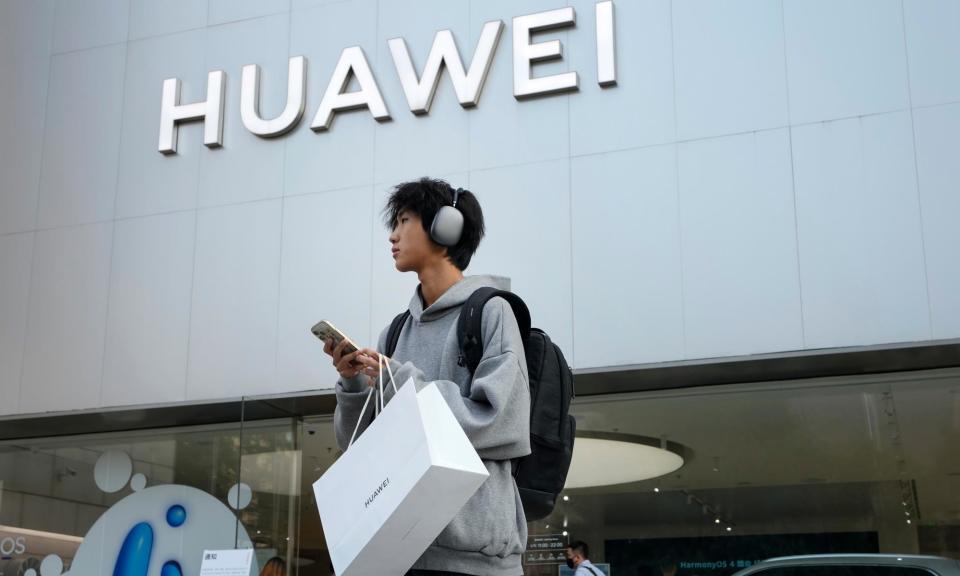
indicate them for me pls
(393, 334)
(592, 571)
(469, 333)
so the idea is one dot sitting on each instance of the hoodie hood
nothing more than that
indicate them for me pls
(454, 297)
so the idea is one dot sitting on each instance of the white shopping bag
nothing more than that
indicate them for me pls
(388, 497)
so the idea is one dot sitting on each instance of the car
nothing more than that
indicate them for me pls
(855, 565)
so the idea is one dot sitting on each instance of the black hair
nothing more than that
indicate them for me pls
(581, 547)
(425, 197)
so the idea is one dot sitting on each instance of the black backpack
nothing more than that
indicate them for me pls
(540, 476)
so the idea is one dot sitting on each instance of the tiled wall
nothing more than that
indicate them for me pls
(769, 175)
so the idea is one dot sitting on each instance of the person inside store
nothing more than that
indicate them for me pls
(668, 567)
(435, 231)
(275, 566)
(578, 559)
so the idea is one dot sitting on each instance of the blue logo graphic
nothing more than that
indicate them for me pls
(134, 557)
(176, 516)
(124, 542)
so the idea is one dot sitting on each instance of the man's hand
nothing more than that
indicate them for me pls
(368, 364)
(363, 361)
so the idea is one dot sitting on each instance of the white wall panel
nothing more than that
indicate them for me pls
(729, 63)
(151, 182)
(25, 38)
(222, 11)
(233, 323)
(81, 143)
(248, 167)
(341, 157)
(639, 110)
(82, 24)
(148, 322)
(527, 219)
(933, 50)
(938, 148)
(16, 252)
(325, 274)
(411, 146)
(151, 18)
(713, 187)
(861, 260)
(739, 248)
(296, 5)
(63, 359)
(844, 58)
(503, 130)
(627, 306)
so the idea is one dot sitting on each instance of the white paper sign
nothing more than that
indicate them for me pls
(226, 562)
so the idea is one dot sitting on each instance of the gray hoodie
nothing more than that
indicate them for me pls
(489, 535)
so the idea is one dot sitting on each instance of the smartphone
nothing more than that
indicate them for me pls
(324, 330)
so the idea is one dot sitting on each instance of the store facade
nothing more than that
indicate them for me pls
(737, 219)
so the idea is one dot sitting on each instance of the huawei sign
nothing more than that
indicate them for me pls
(467, 83)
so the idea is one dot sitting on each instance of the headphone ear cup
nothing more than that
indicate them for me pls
(447, 226)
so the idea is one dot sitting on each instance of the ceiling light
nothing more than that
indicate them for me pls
(729, 529)
(606, 458)
(657, 490)
(717, 521)
(566, 498)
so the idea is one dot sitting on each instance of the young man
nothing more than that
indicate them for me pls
(578, 559)
(489, 535)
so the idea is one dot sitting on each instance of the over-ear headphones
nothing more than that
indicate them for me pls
(447, 226)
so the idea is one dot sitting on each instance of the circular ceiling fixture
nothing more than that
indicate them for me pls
(607, 458)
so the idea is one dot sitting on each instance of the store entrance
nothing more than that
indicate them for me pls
(846, 464)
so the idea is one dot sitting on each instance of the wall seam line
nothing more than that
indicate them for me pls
(793, 177)
(916, 173)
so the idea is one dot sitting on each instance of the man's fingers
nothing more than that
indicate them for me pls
(370, 352)
(355, 357)
(345, 367)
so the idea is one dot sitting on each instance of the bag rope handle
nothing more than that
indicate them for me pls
(379, 391)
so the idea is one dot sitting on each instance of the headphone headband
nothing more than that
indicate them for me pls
(456, 196)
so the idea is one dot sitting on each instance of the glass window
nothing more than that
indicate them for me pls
(832, 465)
(836, 465)
(150, 499)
